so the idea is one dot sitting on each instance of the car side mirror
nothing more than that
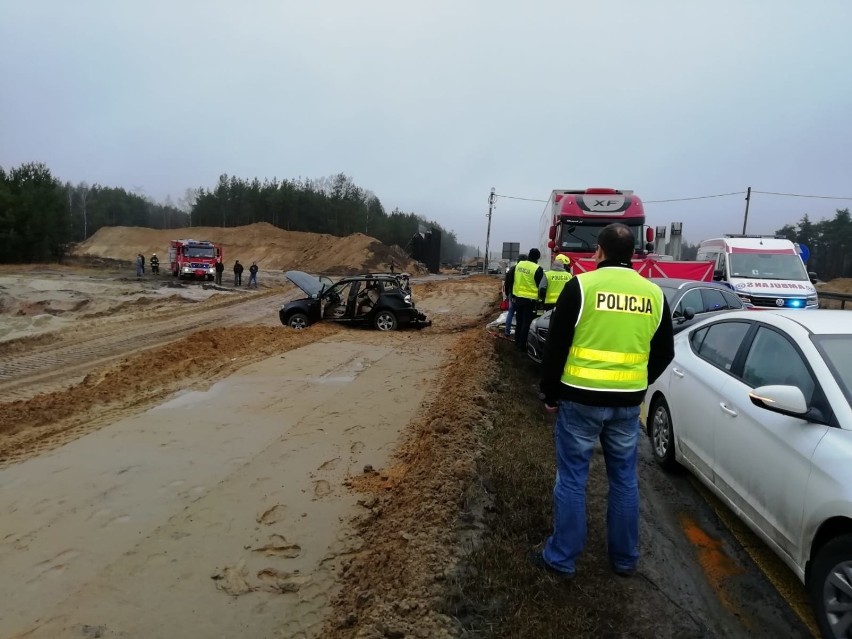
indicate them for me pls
(786, 400)
(813, 277)
(718, 275)
(688, 313)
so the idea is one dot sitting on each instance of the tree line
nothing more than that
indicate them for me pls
(40, 216)
(829, 243)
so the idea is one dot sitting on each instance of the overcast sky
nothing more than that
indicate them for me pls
(431, 103)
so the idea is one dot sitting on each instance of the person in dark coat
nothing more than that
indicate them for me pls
(220, 268)
(252, 281)
(238, 273)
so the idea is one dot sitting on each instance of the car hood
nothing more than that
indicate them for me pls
(312, 286)
(775, 288)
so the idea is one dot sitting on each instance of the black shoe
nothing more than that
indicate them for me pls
(624, 572)
(536, 558)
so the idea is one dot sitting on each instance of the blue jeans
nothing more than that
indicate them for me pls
(578, 427)
(509, 315)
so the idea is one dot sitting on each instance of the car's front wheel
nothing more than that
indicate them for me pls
(385, 321)
(298, 321)
(661, 433)
(830, 587)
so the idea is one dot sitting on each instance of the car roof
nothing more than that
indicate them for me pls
(677, 283)
(819, 322)
(369, 276)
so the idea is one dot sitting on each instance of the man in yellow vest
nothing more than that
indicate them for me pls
(554, 280)
(610, 335)
(528, 274)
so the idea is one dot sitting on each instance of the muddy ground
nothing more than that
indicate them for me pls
(174, 449)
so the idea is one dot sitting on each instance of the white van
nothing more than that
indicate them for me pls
(766, 272)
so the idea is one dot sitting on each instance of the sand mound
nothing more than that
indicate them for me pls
(269, 246)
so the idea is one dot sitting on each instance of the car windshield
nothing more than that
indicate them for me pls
(308, 283)
(837, 352)
(197, 251)
(671, 295)
(768, 266)
(583, 238)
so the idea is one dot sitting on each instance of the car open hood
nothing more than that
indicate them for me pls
(311, 285)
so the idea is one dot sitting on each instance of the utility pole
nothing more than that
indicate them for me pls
(491, 199)
(745, 219)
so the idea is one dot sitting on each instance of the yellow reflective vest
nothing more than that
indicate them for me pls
(556, 281)
(525, 285)
(620, 313)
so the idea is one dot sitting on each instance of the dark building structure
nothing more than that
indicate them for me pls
(426, 248)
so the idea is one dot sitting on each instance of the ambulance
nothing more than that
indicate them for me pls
(765, 271)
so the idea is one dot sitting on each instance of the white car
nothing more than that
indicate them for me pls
(757, 406)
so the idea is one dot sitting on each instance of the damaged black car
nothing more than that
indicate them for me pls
(382, 301)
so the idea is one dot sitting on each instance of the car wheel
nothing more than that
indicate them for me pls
(830, 585)
(385, 321)
(661, 433)
(298, 321)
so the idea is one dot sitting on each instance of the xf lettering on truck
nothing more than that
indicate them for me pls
(623, 303)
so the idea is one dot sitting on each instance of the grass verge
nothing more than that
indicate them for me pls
(497, 592)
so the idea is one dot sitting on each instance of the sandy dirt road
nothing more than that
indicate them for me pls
(214, 510)
(276, 483)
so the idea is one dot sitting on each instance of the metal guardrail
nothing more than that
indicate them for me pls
(841, 297)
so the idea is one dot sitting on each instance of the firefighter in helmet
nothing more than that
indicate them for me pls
(155, 264)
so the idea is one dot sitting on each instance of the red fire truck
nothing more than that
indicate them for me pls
(194, 258)
(572, 219)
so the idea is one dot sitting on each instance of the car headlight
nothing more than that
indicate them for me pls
(745, 297)
(813, 300)
(408, 299)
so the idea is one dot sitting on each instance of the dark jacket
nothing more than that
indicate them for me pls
(561, 334)
(220, 267)
(253, 269)
(509, 282)
(238, 268)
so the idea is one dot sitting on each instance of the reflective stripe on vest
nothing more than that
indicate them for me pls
(619, 315)
(556, 281)
(524, 285)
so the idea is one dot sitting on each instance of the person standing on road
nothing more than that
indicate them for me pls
(143, 263)
(554, 280)
(508, 283)
(155, 264)
(140, 268)
(528, 274)
(252, 276)
(238, 273)
(220, 268)
(610, 335)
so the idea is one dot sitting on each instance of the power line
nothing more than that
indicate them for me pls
(526, 199)
(698, 197)
(513, 197)
(819, 197)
